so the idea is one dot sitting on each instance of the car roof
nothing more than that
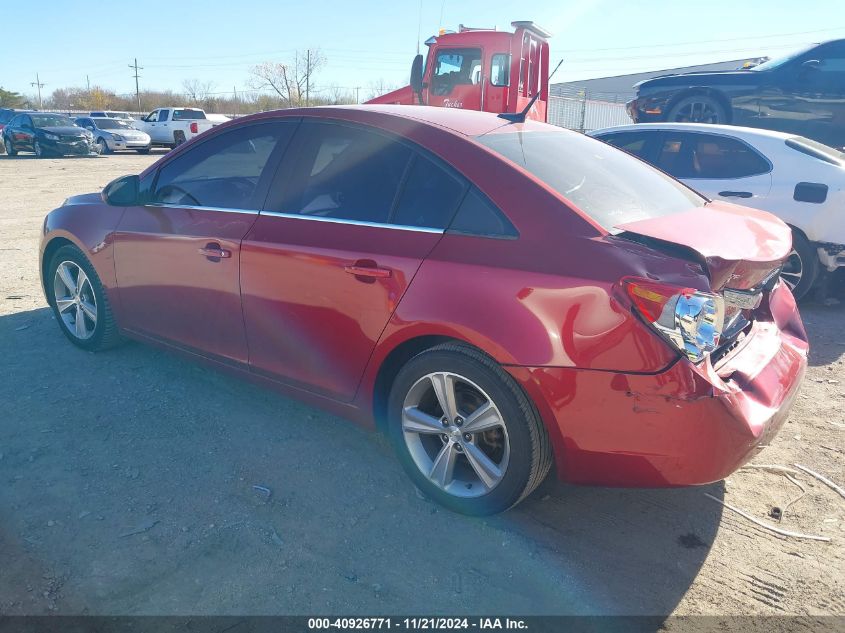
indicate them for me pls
(728, 130)
(464, 122)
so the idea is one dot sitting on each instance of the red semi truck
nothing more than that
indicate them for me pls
(481, 69)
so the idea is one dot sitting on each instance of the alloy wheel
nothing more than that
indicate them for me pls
(102, 146)
(76, 302)
(39, 152)
(697, 112)
(793, 270)
(455, 434)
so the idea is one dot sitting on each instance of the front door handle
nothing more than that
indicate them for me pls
(368, 271)
(214, 252)
(736, 194)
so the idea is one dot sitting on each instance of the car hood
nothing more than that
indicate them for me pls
(65, 130)
(712, 78)
(739, 246)
(130, 132)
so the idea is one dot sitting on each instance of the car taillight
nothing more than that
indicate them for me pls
(690, 320)
(195, 128)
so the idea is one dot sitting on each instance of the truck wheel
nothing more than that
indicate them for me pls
(801, 268)
(697, 109)
(178, 137)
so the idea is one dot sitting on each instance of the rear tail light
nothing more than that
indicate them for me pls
(690, 320)
(195, 128)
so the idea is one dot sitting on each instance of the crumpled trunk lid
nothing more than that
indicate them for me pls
(740, 247)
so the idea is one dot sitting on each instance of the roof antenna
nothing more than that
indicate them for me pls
(519, 117)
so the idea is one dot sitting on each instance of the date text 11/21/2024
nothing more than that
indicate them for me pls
(416, 624)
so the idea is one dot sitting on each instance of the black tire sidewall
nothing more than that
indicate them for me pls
(809, 264)
(518, 472)
(72, 253)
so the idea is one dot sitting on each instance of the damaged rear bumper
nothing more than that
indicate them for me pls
(690, 424)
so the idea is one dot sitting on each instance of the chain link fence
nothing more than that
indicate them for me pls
(583, 111)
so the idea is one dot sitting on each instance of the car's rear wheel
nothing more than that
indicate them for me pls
(10, 150)
(178, 138)
(465, 432)
(697, 109)
(79, 301)
(801, 268)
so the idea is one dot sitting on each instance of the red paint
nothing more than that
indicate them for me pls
(295, 308)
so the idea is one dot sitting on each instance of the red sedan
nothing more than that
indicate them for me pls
(501, 298)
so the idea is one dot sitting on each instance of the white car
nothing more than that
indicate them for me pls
(799, 180)
(115, 134)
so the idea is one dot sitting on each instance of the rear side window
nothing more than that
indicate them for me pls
(631, 142)
(709, 156)
(608, 185)
(343, 172)
(224, 171)
(429, 197)
(478, 216)
(187, 115)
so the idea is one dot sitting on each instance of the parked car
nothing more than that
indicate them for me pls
(115, 134)
(6, 115)
(797, 179)
(499, 297)
(45, 133)
(111, 114)
(802, 93)
(170, 127)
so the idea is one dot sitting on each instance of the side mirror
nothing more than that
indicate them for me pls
(417, 77)
(123, 192)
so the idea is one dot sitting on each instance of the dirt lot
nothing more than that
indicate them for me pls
(126, 487)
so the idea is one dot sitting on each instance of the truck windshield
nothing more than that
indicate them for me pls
(185, 115)
(609, 185)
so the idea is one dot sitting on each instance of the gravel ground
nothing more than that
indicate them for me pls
(126, 487)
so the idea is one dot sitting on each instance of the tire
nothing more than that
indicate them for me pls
(10, 150)
(801, 267)
(95, 334)
(104, 147)
(178, 138)
(39, 151)
(144, 150)
(516, 444)
(697, 109)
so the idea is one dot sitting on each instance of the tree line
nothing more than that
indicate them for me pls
(272, 85)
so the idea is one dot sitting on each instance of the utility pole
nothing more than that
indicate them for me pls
(88, 82)
(307, 74)
(40, 86)
(137, 89)
(357, 88)
(237, 103)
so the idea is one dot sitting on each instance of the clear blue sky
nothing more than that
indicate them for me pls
(366, 41)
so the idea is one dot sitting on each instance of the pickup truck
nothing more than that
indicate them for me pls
(173, 126)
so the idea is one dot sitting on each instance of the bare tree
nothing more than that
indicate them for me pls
(292, 80)
(379, 87)
(196, 90)
(338, 96)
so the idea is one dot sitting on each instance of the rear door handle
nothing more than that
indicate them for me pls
(736, 194)
(214, 252)
(368, 271)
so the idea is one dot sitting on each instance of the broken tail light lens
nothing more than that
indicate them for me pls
(690, 320)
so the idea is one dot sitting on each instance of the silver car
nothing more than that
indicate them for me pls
(115, 134)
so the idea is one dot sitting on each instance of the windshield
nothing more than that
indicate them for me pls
(112, 124)
(780, 61)
(609, 185)
(51, 120)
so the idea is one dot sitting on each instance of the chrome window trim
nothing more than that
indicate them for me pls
(377, 225)
(160, 205)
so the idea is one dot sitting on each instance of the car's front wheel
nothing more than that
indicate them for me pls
(465, 432)
(102, 146)
(39, 150)
(697, 109)
(79, 301)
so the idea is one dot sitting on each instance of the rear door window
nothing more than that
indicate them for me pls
(342, 172)
(478, 216)
(224, 171)
(709, 156)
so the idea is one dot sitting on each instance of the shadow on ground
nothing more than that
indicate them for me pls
(126, 487)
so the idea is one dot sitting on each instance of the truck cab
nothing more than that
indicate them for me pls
(481, 69)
